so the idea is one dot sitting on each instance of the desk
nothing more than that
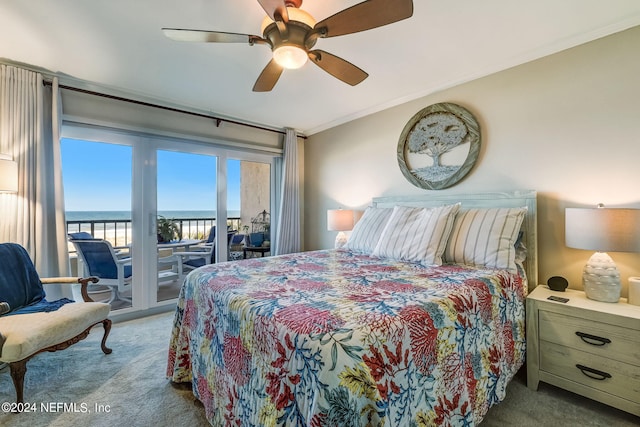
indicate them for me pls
(255, 249)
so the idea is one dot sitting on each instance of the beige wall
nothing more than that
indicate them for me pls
(255, 191)
(567, 125)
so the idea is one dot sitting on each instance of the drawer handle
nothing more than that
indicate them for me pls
(593, 339)
(593, 373)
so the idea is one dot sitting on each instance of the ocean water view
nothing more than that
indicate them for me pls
(126, 215)
(116, 226)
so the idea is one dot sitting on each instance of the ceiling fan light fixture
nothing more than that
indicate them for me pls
(290, 57)
(295, 14)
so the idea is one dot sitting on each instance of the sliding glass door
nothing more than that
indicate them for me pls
(156, 198)
(186, 216)
(97, 179)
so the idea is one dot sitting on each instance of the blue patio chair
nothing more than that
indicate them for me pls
(212, 236)
(200, 256)
(80, 235)
(237, 240)
(100, 260)
(121, 251)
(236, 245)
(256, 239)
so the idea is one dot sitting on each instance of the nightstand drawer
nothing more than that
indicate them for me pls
(601, 373)
(603, 339)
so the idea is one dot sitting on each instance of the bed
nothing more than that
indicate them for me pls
(365, 335)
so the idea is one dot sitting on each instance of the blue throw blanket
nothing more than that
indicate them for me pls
(20, 285)
(41, 306)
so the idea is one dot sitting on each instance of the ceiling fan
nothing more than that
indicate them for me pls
(291, 33)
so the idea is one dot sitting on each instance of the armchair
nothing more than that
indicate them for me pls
(31, 324)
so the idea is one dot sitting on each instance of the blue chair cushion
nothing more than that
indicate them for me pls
(237, 239)
(195, 263)
(100, 262)
(212, 235)
(256, 239)
(81, 235)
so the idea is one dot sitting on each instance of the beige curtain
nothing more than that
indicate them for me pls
(288, 230)
(30, 121)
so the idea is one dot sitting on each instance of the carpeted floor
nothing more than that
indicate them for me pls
(129, 388)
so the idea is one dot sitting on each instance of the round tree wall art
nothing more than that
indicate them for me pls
(439, 146)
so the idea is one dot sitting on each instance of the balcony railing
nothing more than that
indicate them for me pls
(118, 231)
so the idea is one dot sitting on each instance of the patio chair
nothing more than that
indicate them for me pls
(30, 324)
(200, 255)
(80, 235)
(256, 239)
(238, 242)
(121, 251)
(212, 235)
(100, 260)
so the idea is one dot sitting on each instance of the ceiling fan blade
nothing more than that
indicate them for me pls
(208, 36)
(338, 67)
(275, 8)
(268, 77)
(365, 16)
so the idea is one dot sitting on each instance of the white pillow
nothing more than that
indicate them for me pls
(485, 237)
(368, 229)
(417, 234)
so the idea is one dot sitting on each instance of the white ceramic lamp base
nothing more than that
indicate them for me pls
(601, 278)
(341, 240)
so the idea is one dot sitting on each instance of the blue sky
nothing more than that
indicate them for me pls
(97, 177)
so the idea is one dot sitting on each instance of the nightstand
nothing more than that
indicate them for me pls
(588, 347)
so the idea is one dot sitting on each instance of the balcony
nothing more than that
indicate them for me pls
(119, 233)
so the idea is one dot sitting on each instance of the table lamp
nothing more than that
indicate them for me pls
(602, 229)
(8, 175)
(340, 220)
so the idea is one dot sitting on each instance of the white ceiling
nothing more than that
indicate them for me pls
(118, 45)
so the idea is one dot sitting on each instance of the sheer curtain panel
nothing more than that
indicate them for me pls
(30, 121)
(288, 230)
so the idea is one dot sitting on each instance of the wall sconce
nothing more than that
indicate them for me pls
(340, 220)
(602, 229)
(8, 175)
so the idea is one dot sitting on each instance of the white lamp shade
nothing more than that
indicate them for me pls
(603, 229)
(8, 176)
(339, 220)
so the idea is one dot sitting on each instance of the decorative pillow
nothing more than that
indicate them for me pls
(368, 229)
(521, 250)
(417, 234)
(485, 237)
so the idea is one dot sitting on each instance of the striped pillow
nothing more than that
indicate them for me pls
(417, 234)
(367, 231)
(485, 237)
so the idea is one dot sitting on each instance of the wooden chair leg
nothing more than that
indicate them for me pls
(18, 369)
(106, 323)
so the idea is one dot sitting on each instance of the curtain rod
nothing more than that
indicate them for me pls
(163, 107)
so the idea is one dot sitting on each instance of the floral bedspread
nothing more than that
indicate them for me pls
(338, 338)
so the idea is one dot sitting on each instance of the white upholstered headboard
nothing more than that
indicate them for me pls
(485, 200)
